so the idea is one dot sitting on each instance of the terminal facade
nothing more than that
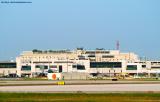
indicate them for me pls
(93, 62)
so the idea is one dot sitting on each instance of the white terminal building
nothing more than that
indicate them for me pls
(99, 61)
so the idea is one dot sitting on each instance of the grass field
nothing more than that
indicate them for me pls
(79, 97)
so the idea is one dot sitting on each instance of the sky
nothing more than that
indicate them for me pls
(67, 24)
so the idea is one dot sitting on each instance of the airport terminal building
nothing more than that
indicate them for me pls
(99, 61)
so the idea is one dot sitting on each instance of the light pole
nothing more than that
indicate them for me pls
(110, 73)
(67, 64)
(113, 70)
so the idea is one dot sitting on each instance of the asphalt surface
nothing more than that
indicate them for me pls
(73, 82)
(108, 88)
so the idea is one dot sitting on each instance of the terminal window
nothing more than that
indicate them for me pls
(105, 64)
(42, 66)
(131, 67)
(79, 67)
(26, 68)
(8, 65)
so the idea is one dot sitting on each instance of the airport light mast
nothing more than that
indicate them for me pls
(117, 45)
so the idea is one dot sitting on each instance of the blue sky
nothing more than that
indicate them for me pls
(67, 24)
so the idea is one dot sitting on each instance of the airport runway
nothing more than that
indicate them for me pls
(73, 82)
(107, 88)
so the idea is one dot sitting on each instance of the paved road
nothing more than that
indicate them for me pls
(84, 88)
